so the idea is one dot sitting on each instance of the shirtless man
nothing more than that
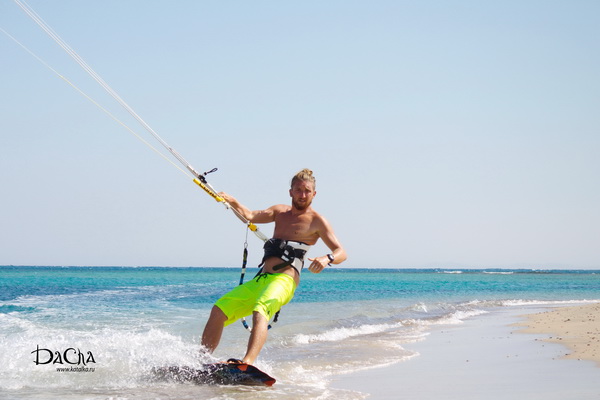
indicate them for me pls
(297, 227)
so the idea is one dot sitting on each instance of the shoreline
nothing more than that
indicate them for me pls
(577, 328)
(487, 356)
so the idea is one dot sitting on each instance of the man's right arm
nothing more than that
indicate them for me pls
(257, 217)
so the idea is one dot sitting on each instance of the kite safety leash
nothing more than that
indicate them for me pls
(244, 262)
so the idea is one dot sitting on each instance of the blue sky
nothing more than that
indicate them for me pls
(442, 133)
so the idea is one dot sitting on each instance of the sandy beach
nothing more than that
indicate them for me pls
(491, 357)
(578, 328)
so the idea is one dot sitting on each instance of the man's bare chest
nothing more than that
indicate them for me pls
(295, 227)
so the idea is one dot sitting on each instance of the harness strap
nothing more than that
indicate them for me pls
(258, 275)
(281, 249)
(273, 248)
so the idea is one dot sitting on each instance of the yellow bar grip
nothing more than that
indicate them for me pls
(209, 191)
(252, 227)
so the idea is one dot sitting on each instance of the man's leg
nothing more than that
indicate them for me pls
(213, 329)
(258, 337)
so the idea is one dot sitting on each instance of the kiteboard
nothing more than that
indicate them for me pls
(221, 373)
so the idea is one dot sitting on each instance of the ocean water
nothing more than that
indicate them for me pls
(96, 333)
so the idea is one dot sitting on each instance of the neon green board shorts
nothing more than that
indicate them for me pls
(266, 294)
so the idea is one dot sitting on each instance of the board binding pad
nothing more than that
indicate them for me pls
(221, 373)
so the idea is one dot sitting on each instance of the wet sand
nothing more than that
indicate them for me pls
(490, 357)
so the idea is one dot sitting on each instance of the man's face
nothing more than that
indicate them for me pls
(302, 194)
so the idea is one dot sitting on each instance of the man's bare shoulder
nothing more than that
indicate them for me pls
(280, 208)
(319, 219)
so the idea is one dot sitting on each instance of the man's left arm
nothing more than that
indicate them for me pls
(337, 255)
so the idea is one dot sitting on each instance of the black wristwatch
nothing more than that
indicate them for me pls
(331, 258)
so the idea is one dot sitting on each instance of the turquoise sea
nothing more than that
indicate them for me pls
(96, 332)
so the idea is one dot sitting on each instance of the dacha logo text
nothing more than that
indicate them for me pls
(70, 356)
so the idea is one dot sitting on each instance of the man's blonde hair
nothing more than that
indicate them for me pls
(305, 175)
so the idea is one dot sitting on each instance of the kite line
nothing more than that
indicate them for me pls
(198, 178)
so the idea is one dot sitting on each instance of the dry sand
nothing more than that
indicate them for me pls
(577, 328)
